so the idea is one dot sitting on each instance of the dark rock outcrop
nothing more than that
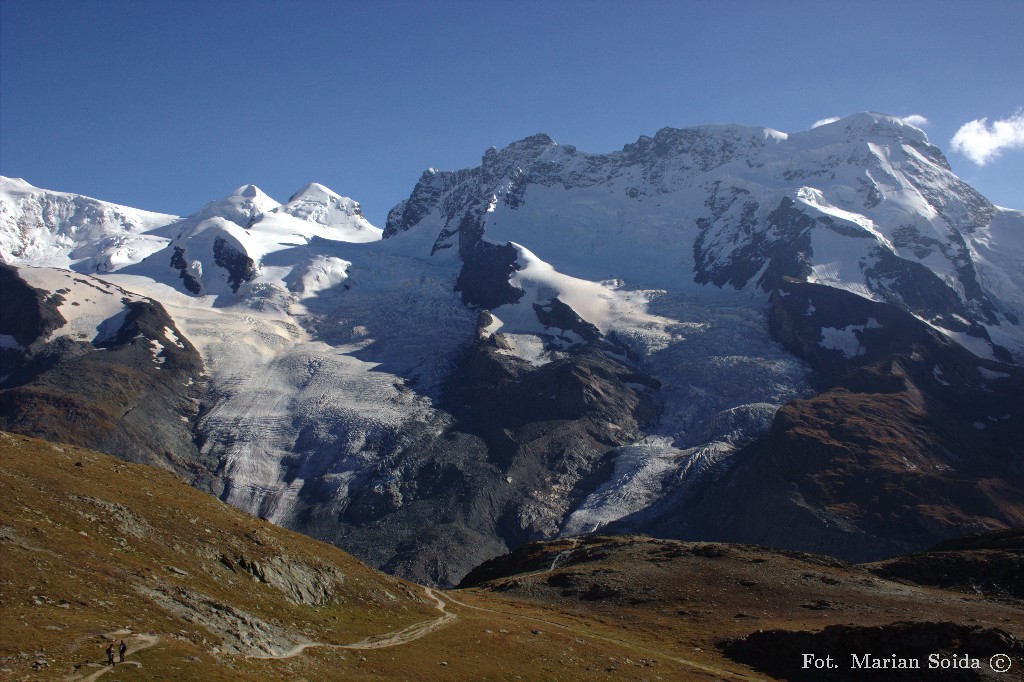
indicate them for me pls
(558, 315)
(135, 394)
(912, 439)
(179, 263)
(525, 445)
(240, 267)
(27, 313)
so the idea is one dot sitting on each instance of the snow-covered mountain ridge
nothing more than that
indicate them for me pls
(865, 204)
(227, 239)
(557, 342)
(58, 229)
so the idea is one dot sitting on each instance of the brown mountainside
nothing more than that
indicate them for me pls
(94, 550)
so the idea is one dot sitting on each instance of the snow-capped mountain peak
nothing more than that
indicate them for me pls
(212, 251)
(241, 207)
(314, 191)
(14, 184)
(865, 203)
(248, 237)
(871, 124)
(321, 205)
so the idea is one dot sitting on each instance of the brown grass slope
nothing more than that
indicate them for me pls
(695, 599)
(94, 549)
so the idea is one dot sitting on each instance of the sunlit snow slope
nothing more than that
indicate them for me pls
(42, 227)
(865, 204)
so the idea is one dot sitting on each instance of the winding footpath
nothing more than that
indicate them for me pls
(421, 629)
(385, 640)
(381, 641)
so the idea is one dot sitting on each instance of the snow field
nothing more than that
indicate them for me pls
(57, 229)
(92, 307)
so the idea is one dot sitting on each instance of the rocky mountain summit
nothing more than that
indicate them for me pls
(865, 204)
(809, 340)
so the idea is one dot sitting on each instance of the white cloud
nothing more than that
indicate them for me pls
(981, 142)
(825, 121)
(916, 120)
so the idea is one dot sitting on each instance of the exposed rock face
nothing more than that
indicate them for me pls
(240, 268)
(179, 263)
(824, 205)
(558, 315)
(133, 391)
(525, 444)
(912, 440)
(909, 432)
(550, 428)
(781, 250)
(27, 314)
(483, 280)
(240, 632)
(301, 582)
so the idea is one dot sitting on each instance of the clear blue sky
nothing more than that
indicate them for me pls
(166, 105)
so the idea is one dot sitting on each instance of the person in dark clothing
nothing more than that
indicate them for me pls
(110, 654)
(122, 650)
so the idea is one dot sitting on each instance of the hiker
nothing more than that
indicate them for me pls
(122, 650)
(110, 654)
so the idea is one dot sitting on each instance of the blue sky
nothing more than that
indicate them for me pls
(167, 105)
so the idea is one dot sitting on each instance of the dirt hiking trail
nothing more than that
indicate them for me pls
(384, 640)
(136, 642)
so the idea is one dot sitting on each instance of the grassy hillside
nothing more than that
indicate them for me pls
(94, 550)
(718, 604)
